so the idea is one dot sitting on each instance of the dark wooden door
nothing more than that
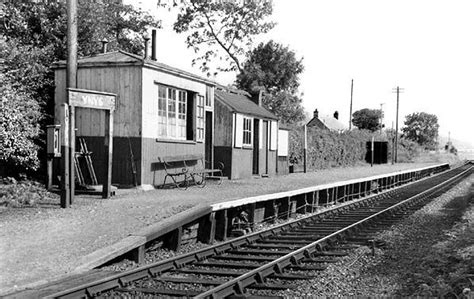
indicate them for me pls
(208, 140)
(256, 146)
(264, 150)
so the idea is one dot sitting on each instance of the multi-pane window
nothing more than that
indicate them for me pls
(171, 113)
(200, 118)
(247, 131)
(182, 114)
(162, 119)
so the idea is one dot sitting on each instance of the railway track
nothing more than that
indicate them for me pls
(270, 260)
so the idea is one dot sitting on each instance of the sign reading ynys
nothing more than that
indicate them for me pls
(91, 99)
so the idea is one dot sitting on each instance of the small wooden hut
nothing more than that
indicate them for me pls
(246, 135)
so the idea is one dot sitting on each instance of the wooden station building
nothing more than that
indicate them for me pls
(160, 111)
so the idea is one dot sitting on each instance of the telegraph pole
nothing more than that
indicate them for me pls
(71, 66)
(350, 109)
(397, 90)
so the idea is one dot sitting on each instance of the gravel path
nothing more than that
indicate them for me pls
(428, 254)
(46, 241)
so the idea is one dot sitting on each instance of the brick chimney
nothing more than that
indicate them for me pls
(315, 113)
(336, 115)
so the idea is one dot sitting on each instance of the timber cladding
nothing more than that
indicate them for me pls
(223, 126)
(223, 154)
(241, 163)
(123, 150)
(124, 81)
(152, 171)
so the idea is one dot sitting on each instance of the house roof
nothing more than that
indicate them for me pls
(125, 58)
(332, 123)
(240, 102)
(316, 122)
(327, 122)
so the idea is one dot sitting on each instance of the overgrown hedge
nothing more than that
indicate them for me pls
(328, 149)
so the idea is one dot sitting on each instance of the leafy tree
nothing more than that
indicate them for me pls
(20, 115)
(422, 128)
(274, 69)
(222, 30)
(285, 105)
(368, 119)
(33, 35)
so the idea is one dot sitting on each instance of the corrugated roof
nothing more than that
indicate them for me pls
(122, 57)
(240, 103)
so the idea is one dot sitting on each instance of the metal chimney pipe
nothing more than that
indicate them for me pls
(153, 44)
(104, 45)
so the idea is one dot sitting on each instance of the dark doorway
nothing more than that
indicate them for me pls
(208, 140)
(264, 155)
(256, 145)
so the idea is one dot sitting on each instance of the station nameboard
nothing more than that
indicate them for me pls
(91, 99)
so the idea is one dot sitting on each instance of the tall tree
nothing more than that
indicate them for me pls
(274, 69)
(367, 119)
(222, 30)
(33, 35)
(422, 128)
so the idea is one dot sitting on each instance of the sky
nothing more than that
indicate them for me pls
(426, 47)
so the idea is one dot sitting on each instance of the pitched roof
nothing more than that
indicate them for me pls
(240, 102)
(316, 122)
(332, 123)
(125, 58)
(327, 122)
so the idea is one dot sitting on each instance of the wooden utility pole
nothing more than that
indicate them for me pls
(398, 90)
(305, 148)
(393, 146)
(350, 109)
(64, 164)
(71, 75)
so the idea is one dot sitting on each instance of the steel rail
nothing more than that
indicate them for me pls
(120, 279)
(238, 284)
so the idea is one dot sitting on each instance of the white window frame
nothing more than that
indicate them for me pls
(172, 117)
(273, 135)
(243, 125)
(200, 116)
(282, 143)
(247, 130)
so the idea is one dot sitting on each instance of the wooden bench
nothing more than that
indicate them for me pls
(197, 173)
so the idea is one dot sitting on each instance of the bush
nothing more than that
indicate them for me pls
(328, 149)
(15, 193)
(20, 128)
(408, 150)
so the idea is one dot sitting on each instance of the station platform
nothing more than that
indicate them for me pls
(41, 244)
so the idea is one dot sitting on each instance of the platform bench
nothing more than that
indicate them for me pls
(191, 167)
